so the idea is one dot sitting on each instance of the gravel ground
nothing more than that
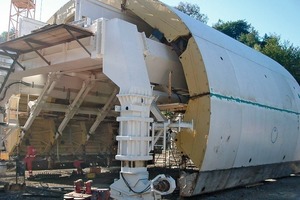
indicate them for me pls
(285, 188)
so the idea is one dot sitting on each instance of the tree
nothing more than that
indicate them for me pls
(271, 47)
(234, 29)
(284, 53)
(192, 10)
(251, 39)
(3, 37)
(241, 31)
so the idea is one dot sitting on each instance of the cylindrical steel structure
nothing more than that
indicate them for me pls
(245, 106)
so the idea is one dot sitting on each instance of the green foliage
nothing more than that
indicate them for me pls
(233, 29)
(250, 39)
(192, 10)
(284, 53)
(3, 37)
(239, 30)
(271, 46)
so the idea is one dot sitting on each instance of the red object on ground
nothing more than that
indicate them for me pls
(87, 192)
(30, 156)
(78, 185)
(88, 187)
(77, 165)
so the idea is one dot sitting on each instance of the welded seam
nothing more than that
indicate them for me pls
(242, 101)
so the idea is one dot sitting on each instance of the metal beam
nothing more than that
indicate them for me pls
(103, 112)
(4, 68)
(37, 52)
(37, 107)
(74, 106)
(41, 43)
(14, 57)
(78, 41)
(157, 113)
(62, 108)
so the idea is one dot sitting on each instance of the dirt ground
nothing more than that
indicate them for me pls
(284, 188)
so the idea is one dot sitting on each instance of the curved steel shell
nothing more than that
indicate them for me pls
(245, 106)
(254, 103)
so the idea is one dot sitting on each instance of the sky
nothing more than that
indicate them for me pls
(281, 17)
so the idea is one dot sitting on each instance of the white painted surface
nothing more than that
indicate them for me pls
(254, 102)
(161, 60)
(123, 61)
(95, 9)
(27, 25)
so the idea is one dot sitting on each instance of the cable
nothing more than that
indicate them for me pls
(127, 184)
(178, 95)
(7, 87)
